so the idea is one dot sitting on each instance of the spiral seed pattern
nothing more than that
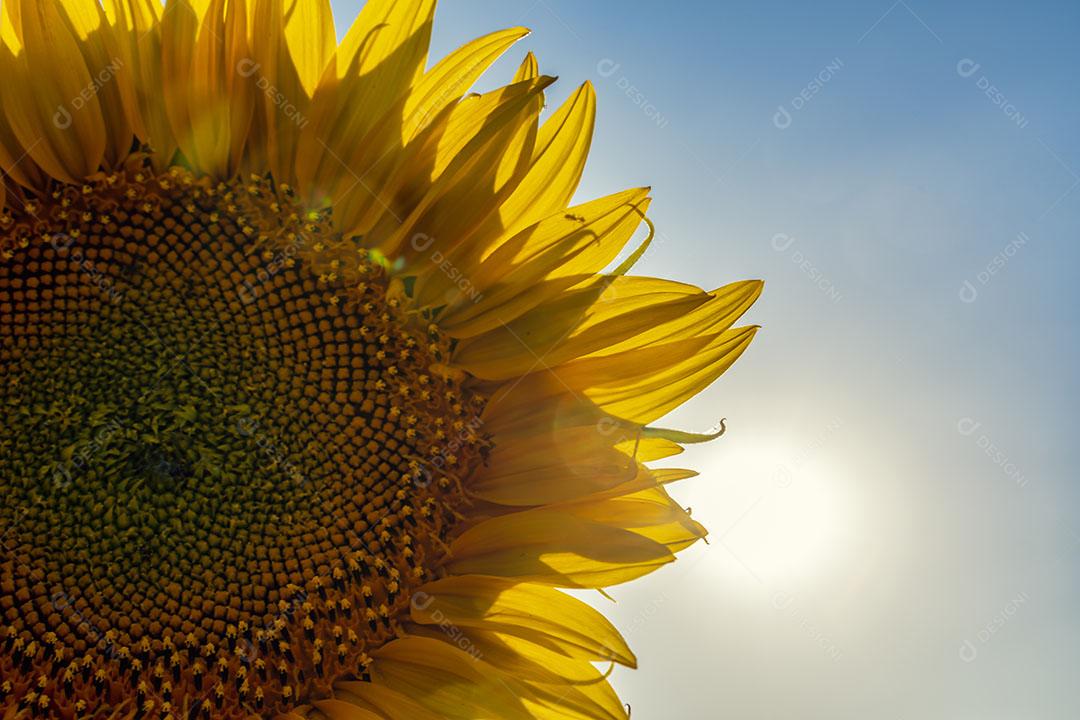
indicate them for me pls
(227, 453)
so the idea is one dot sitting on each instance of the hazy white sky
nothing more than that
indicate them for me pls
(894, 515)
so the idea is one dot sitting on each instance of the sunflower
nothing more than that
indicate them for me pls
(316, 389)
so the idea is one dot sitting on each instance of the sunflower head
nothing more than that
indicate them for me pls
(316, 386)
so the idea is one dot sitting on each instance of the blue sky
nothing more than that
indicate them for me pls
(895, 527)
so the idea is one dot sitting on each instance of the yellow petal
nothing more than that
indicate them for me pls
(681, 436)
(528, 69)
(62, 130)
(544, 187)
(342, 710)
(446, 139)
(14, 159)
(650, 513)
(445, 83)
(546, 259)
(465, 199)
(388, 42)
(558, 159)
(591, 700)
(11, 25)
(309, 33)
(637, 386)
(178, 28)
(665, 476)
(138, 30)
(473, 184)
(112, 77)
(383, 53)
(648, 449)
(558, 162)
(594, 318)
(445, 680)
(549, 683)
(646, 479)
(542, 408)
(722, 308)
(209, 98)
(525, 655)
(362, 176)
(551, 466)
(384, 702)
(645, 384)
(555, 548)
(511, 607)
(283, 104)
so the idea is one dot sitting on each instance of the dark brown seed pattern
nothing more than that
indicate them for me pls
(228, 452)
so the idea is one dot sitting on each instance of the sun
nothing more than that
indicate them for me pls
(783, 519)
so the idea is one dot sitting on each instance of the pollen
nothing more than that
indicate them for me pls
(228, 454)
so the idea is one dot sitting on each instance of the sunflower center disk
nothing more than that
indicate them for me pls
(226, 456)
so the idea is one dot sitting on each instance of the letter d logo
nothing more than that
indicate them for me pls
(782, 118)
(607, 67)
(967, 67)
(967, 426)
(247, 67)
(62, 118)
